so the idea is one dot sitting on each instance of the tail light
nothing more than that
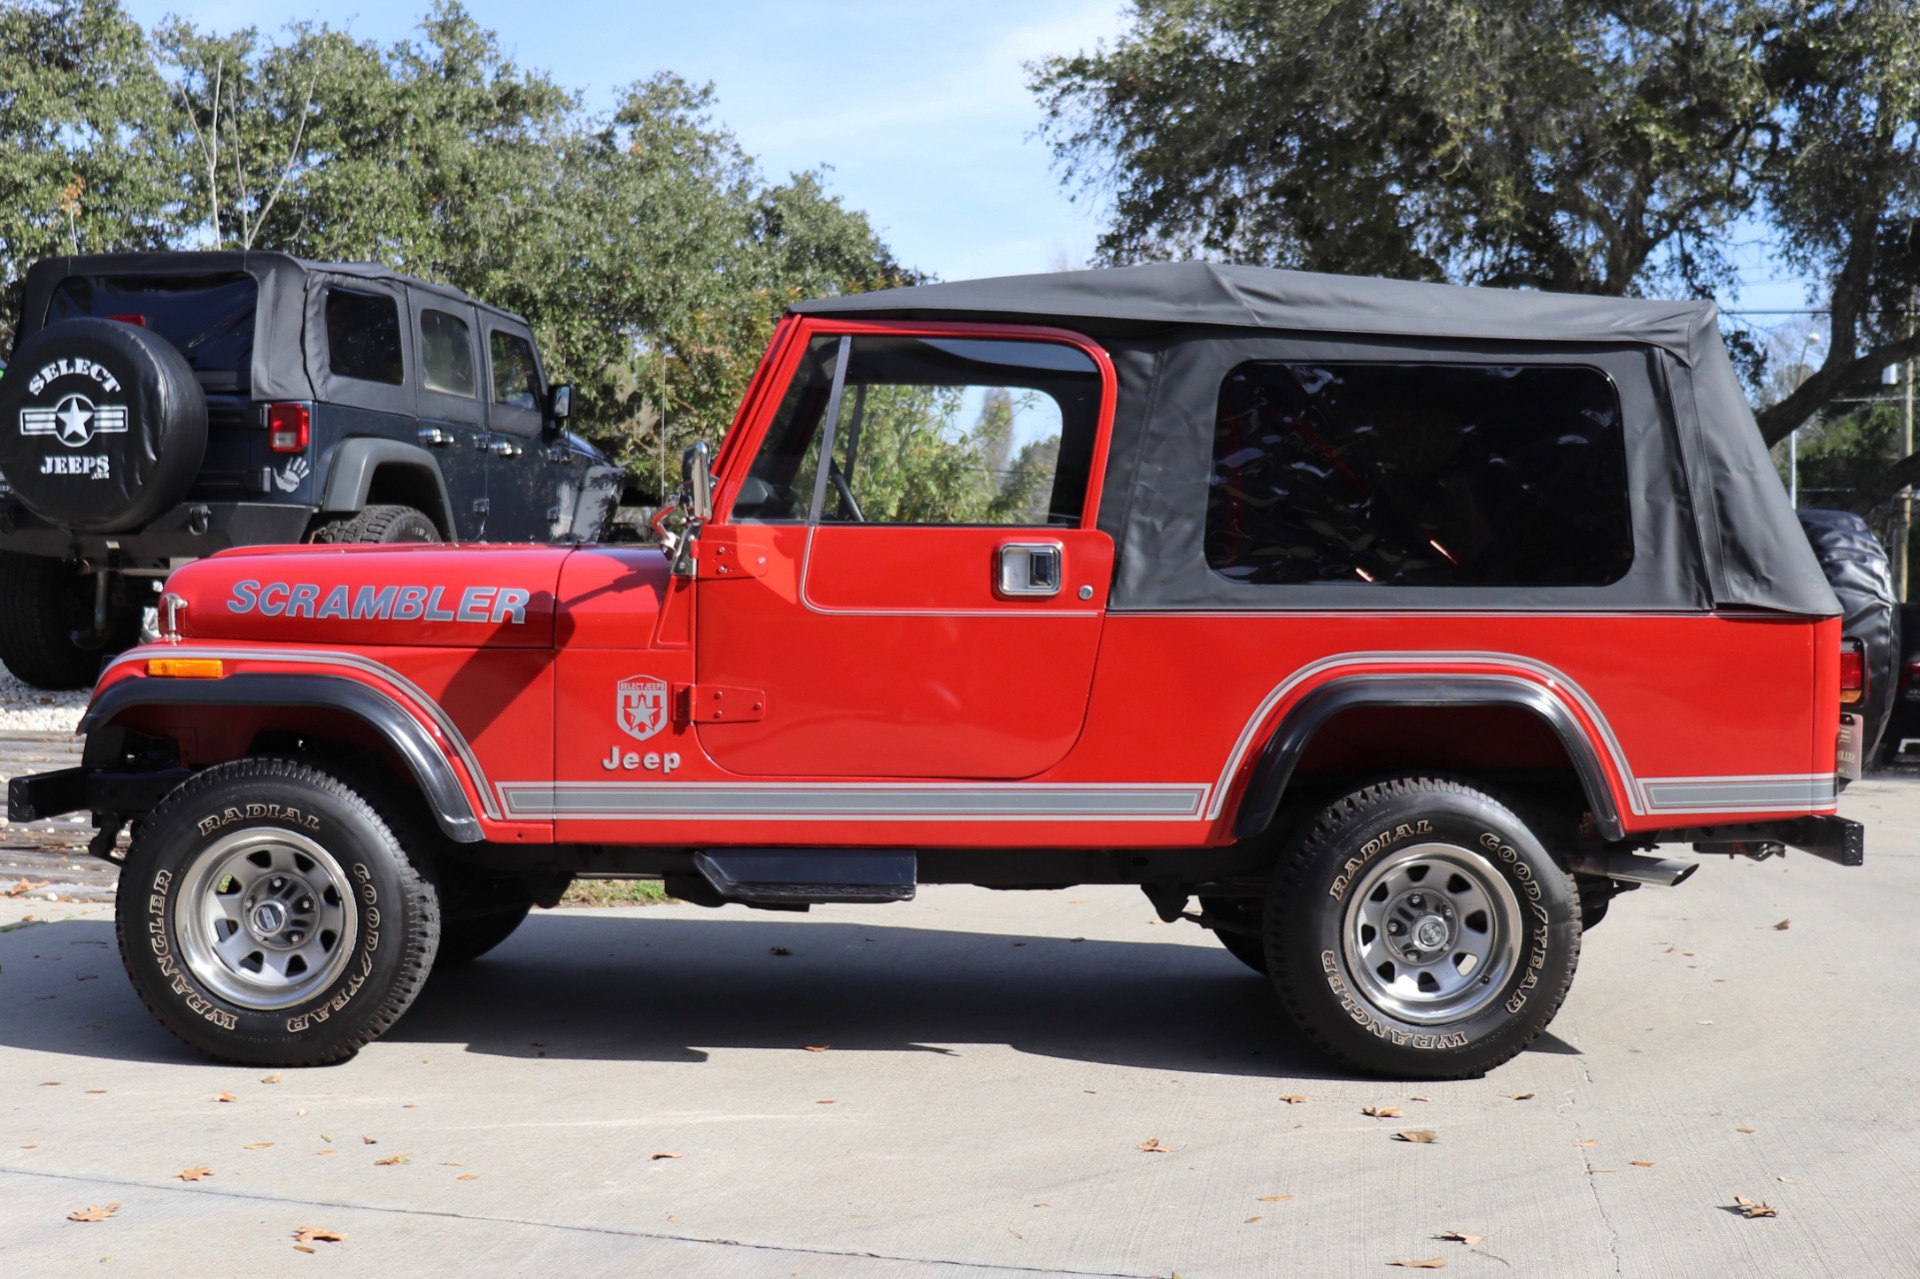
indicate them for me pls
(287, 427)
(1853, 673)
(138, 321)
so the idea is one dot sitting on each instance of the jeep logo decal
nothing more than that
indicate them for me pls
(75, 420)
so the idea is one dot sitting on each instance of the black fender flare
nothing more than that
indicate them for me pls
(1274, 768)
(350, 474)
(405, 734)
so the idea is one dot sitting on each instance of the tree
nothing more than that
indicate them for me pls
(1582, 146)
(88, 151)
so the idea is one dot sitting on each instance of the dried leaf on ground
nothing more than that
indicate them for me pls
(1454, 1236)
(1782, 926)
(300, 1247)
(1743, 1130)
(1383, 1112)
(391, 1160)
(826, 1102)
(50, 1083)
(668, 1154)
(96, 1092)
(317, 1234)
(1153, 1147)
(1292, 1098)
(194, 1174)
(274, 1078)
(25, 886)
(365, 1141)
(1419, 1099)
(1591, 1141)
(815, 1048)
(468, 1176)
(224, 1096)
(256, 1145)
(1518, 1096)
(1425, 1263)
(1750, 1208)
(1274, 1199)
(326, 1152)
(1641, 1163)
(94, 1212)
(1419, 1136)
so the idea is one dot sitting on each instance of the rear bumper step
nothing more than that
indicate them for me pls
(1836, 839)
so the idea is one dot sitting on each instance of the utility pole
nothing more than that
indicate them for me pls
(1903, 522)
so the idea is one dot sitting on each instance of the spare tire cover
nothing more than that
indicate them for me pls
(102, 425)
(1856, 567)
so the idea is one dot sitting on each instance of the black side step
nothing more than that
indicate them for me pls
(802, 876)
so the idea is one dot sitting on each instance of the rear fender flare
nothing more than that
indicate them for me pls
(1274, 768)
(408, 738)
(355, 462)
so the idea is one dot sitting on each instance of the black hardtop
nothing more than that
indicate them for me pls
(1712, 524)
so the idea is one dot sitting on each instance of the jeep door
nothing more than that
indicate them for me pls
(521, 476)
(452, 424)
(904, 578)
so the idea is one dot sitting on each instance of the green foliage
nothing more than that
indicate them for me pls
(88, 153)
(1583, 146)
(649, 253)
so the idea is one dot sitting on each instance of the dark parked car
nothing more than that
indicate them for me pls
(159, 407)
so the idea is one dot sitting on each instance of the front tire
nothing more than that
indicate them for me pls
(270, 914)
(44, 604)
(1418, 929)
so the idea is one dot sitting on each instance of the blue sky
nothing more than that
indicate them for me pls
(920, 107)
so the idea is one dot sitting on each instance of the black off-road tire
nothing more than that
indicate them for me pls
(1410, 863)
(44, 602)
(380, 524)
(464, 940)
(1249, 948)
(234, 840)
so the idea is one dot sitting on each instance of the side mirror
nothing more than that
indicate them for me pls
(560, 402)
(696, 475)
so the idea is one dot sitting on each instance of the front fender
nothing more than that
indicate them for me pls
(408, 738)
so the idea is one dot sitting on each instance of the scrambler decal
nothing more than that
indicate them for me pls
(487, 604)
(169, 967)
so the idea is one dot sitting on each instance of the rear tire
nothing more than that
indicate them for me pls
(380, 524)
(1418, 929)
(270, 914)
(44, 603)
(464, 940)
(1249, 948)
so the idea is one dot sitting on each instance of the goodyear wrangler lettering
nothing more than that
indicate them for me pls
(483, 604)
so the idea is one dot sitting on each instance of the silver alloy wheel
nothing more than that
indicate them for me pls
(265, 918)
(1431, 933)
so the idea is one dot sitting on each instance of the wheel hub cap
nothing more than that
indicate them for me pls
(1431, 933)
(265, 918)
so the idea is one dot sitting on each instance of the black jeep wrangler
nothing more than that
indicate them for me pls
(158, 407)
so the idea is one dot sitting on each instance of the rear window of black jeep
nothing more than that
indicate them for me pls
(1419, 474)
(209, 318)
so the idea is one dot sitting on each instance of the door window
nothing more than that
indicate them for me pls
(446, 354)
(516, 378)
(940, 431)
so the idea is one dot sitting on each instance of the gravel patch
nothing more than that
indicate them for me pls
(24, 709)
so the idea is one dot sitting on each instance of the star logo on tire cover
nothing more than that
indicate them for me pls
(74, 421)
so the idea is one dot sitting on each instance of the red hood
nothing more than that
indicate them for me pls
(442, 596)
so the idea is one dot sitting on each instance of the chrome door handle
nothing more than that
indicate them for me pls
(505, 448)
(1029, 569)
(434, 437)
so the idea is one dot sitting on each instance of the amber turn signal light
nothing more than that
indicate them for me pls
(187, 667)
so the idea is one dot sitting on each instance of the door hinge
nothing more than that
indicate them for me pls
(719, 559)
(720, 704)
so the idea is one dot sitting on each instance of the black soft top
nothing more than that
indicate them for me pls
(1712, 525)
(279, 368)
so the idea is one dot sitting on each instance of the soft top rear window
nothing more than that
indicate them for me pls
(209, 318)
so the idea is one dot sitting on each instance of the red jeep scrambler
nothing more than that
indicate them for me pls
(1389, 623)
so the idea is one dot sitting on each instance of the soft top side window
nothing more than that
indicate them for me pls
(516, 377)
(446, 354)
(930, 430)
(1419, 474)
(363, 336)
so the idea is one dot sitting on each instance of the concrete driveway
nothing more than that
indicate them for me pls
(963, 1086)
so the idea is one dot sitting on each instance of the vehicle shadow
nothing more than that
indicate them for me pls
(670, 988)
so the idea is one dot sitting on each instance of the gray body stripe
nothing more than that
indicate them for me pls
(835, 802)
(1727, 794)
